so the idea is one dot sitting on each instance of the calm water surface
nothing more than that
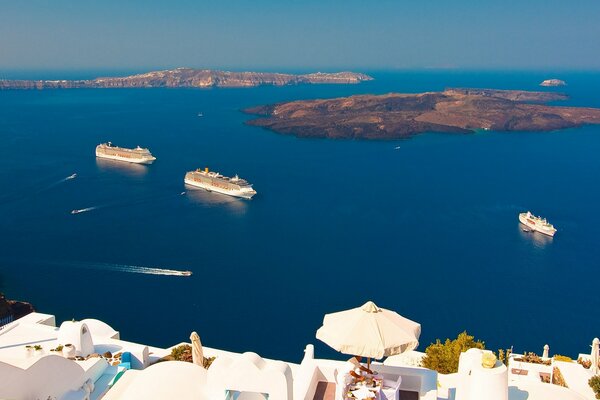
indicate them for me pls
(429, 230)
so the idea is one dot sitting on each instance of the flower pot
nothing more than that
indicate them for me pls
(69, 350)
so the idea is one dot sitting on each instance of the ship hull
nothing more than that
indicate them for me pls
(532, 225)
(229, 192)
(124, 159)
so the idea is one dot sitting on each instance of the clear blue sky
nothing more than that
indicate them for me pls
(266, 35)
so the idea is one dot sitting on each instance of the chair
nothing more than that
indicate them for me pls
(390, 388)
(340, 385)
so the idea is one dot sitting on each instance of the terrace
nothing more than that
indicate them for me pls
(89, 373)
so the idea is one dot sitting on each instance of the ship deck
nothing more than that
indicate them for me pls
(240, 182)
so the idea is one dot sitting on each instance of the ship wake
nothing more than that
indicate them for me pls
(84, 210)
(115, 267)
(136, 269)
(55, 184)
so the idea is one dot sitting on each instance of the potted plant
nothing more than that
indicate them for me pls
(29, 350)
(58, 349)
(38, 350)
(68, 350)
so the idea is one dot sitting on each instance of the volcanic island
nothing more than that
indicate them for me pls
(397, 116)
(190, 78)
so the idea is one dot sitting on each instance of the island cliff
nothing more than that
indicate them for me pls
(11, 309)
(188, 77)
(394, 116)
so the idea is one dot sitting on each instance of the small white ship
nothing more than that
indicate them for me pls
(137, 155)
(213, 181)
(538, 224)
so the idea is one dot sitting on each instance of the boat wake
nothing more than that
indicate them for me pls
(114, 267)
(33, 191)
(133, 202)
(135, 269)
(53, 185)
(83, 210)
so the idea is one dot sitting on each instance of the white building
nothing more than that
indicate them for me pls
(31, 370)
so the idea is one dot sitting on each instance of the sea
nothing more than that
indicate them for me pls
(426, 226)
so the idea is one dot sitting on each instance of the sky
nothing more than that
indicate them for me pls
(296, 35)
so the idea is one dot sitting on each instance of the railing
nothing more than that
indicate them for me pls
(6, 320)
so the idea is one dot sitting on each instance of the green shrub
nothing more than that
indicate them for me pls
(182, 353)
(558, 357)
(443, 357)
(557, 378)
(594, 383)
(533, 359)
(584, 363)
(208, 362)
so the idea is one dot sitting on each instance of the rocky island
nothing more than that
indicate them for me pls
(553, 82)
(192, 78)
(395, 116)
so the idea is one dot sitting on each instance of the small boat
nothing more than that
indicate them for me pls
(77, 211)
(200, 115)
(397, 148)
(182, 193)
(72, 176)
(186, 273)
(537, 224)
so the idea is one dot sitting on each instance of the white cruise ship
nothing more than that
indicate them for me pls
(213, 181)
(538, 224)
(137, 155)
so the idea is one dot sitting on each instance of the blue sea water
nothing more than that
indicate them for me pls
(429, 230)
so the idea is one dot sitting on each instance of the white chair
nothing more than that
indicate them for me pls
(340, 385)
(390, 389)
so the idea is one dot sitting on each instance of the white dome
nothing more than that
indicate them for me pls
(78, 334)
(100, 329)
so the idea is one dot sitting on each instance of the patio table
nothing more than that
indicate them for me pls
(374, 387)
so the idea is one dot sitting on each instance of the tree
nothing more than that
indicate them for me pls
(594, 383)
(443, 357)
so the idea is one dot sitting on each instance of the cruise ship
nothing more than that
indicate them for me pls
(213, 181)
(137, 155)
(538, 224)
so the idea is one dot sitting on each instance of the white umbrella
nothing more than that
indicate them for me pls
(546, 353)
(369, 331)
(197, 353)
(595, 355)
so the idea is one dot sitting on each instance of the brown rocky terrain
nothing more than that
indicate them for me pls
(394, 116)
(187, 77)
(16, 309)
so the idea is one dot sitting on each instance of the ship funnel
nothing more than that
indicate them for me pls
(206, 169)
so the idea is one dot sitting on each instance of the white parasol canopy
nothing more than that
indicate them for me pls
(369, 331)
(595, 355)
(197, 353)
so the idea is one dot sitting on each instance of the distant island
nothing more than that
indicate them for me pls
(553, 82)
(191, 78)
(396, 116)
